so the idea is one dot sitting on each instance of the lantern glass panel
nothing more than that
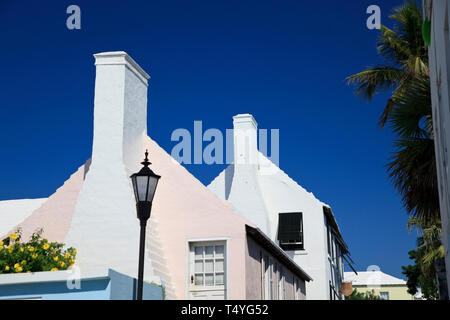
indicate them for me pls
(153, 181)
(141, 182)
(133, 179)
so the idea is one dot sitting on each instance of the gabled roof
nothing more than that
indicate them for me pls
(372, 278)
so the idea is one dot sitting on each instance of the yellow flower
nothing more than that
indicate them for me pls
(7, 268)
(16, 266)
(23, 262)
(54, 269)
(30, 248)
(1, 248)
(34, 255)
(1, 243)
(55, 258)
(67, 255)
(10, 248)
(13, 236)
(62, 264)
(46, 246)
(19, 269)
(72, 261)
(22, 249)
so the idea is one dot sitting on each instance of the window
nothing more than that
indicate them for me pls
(384, 295)
(297, 290)
(328, 240)
(271, 288)
(281, 285)
(331, 292)
(209, 265)
(266, 277)
(290, 231)
(263, 276)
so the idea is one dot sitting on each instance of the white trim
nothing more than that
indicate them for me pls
(49, 276)
(121, 58)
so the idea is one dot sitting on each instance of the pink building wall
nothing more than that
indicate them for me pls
(186, 210)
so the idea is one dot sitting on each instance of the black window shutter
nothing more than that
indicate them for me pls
(290, 226)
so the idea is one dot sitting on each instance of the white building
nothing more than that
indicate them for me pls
(439, 63)
(385, 286)
(288, 214)
(197, 246)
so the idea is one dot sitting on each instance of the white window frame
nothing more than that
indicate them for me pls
(190, 264)
(281, 284)
(271, 280)
(297, 289)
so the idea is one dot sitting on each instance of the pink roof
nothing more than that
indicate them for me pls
(183, 209)
(55, 215)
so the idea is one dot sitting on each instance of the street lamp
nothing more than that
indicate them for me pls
(144, 186)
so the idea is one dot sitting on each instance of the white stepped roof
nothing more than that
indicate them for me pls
(13, 212)
(372, 278)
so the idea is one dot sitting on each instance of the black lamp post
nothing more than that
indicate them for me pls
(144, 185)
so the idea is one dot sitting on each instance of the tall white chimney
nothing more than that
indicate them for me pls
(104, 226)
(245, 193)
(120, 112)
(245, 139)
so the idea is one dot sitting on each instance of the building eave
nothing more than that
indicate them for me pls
(259, 236)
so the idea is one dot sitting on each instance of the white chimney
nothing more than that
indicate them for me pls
(245, 140)
(120, 110)
(104, 227)
(245, 193)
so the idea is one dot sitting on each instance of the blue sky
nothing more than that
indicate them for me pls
(283, 61)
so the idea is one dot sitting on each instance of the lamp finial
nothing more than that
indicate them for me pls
(146, 162)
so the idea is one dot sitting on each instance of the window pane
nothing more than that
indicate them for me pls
(142, 187)
(209, 279)
(198, 279)
(209, 251)
(219, 279)
(135, 189)
(198, 252)
(199, 266)
(209, 266)
(151, 188)
(384, 295)
(219, 251)
(219, 265)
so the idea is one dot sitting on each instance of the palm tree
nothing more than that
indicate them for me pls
(405, 54)
(429, 254)
(412, 167)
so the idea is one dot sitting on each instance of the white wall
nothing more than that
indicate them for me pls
(439, 61)
(282, 195)
(259, 193)
(104, 227)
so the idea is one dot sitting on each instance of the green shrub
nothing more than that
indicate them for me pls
(35, 255)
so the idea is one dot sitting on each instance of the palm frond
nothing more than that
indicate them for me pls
(412, 170)
(374, 79)
(410, 114)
